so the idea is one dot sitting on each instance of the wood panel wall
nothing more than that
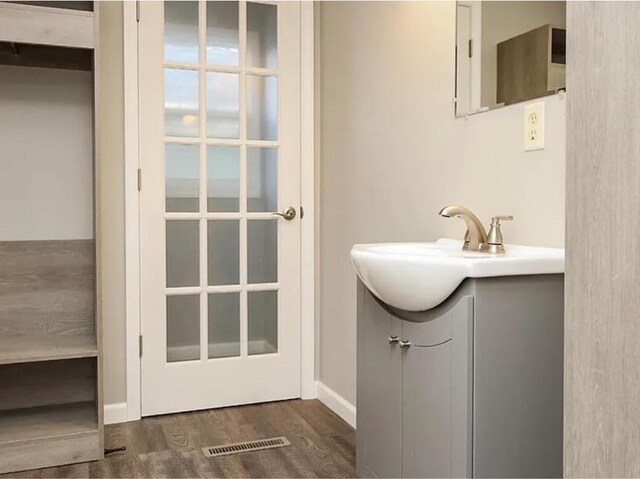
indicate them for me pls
(602, 325)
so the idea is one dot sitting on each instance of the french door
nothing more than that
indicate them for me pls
(220, 232)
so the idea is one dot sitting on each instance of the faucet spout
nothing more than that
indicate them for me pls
(476, 232)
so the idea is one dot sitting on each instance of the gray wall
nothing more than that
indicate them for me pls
(111, 151)
(46, 165)
(602, 327)
(392, 154)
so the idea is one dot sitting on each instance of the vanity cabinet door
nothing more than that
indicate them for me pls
(437, 395)
(379, 407)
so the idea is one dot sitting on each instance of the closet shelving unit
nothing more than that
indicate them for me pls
(51, 408)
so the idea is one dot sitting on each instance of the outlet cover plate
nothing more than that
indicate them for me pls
(534, 126)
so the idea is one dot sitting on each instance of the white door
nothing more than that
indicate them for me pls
(220, 155)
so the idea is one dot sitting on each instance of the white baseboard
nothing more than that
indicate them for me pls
(115, 413)
(337, 403)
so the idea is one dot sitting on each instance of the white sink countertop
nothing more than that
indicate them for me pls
(420, 276)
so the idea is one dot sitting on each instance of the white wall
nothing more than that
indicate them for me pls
(46, 164)
(111, 152)
(392, 155)
(504, 20)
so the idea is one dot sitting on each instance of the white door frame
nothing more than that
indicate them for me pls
(132, 208)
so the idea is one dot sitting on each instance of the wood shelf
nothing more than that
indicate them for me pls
(51, 401)
(526, 67)
(41, 347)
(17, 425)
(21, 23)
(47, 436)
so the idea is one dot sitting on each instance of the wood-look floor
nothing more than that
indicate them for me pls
(322, 445)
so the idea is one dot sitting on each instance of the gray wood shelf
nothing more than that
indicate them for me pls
(31, 348)
(49, 436)
(40, 25)
(19, 425)
(528, 65)
(51, 400)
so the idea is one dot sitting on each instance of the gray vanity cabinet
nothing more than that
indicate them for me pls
(436, 388)
(471, 388)
(381, 382)
(416, 380)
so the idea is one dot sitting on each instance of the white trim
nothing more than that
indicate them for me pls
(132, 209)
(308, 201)
(115, 413)
(337, 404)
(133, 405)
(317, 180)
(476, 60)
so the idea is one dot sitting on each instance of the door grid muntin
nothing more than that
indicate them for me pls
(255, 299)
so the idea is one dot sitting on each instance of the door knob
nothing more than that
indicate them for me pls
(405, 344)
(288, 213)
(393, 339)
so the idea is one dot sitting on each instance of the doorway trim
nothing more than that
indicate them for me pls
(308, 389)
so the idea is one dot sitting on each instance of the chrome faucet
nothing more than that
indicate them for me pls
(476, 238)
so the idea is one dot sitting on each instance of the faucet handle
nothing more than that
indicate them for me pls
(495, 234)
(494, 242)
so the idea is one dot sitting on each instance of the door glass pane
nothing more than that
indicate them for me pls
(223, 105)
(262, 35)
(223, 178)
(262, 246)
(262, 179)
(183, 328)
(183, 254)
(223, 252)
(222, 33)
(262, 107)
(182, 178)
(181, 31)
(181, 112)
(263, 322)
(224, 325)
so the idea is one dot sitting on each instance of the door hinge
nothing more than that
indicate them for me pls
(470, 47)
(139, 179)
(140, 344)
(137, 10)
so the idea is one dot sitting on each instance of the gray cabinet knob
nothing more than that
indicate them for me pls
(393, 339)
(405, 344)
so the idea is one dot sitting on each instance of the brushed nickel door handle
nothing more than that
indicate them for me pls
(288, 213)
(393, 339)
(405, 344)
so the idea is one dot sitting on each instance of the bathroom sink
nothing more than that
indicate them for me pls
(420, 276)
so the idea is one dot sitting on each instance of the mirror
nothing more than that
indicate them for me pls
(508, 52)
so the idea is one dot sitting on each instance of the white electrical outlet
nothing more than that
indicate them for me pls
(534, 126)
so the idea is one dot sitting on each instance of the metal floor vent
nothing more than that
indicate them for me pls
(251, 446)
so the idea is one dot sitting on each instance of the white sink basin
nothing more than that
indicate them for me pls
(420, 276)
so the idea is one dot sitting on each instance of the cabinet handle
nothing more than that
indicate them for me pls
(393, 339)
(405, 344)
